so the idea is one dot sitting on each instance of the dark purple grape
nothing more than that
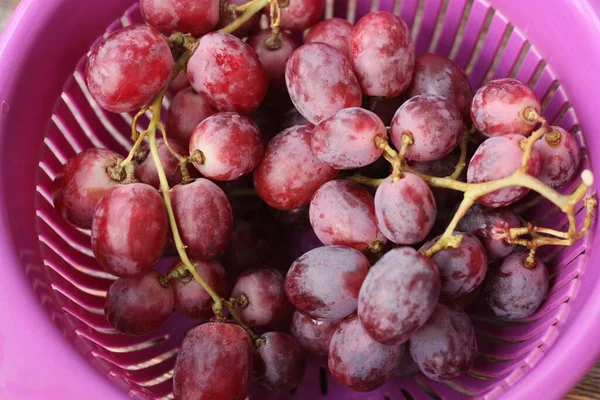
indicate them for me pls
(279, 363)
(314, 336)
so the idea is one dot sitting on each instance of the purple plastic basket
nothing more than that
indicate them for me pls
(46, 117)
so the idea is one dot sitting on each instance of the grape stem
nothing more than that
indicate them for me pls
(183, 161)
(462, 161)
(391, 155)
(249, 9)
(273, 42)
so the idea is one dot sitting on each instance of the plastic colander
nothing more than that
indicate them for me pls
(54, 340)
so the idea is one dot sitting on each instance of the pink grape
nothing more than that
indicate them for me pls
(405, 209)
(267, 305)
(206, 369)
(187, 110)
(180, 82)
(398, 295)
(514, 291)
(435, 125)
(334, 32)
(145, 170)
(321, 82)
(445, 346)
(273, 60)
(314, 336)
(81, 184)
(129, 230)
(231, 146)
(299, 15)
(439, 75)
(139, 305)
(496, 158)
(186, 16)
(382, 54)
(204, 217)
(228, 73)
(247, 29)
(560, 157)
(346, 140)
(289, 173)
(324, 283)
(498, 108)
(191, 299)
(359, 362)
(462, 269)
(280, 363)
(128, 68)
(343, 213)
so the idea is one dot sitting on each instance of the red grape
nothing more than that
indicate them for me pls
(299, 15)
(346, 140)
(289, 173)
(191, 299)
(560, 157)
(187, 110)
(145, 170)
(79, 186)
(439, 75)
(359, 362)
(343, 213)
(267, 305)
(228, 73)
(334, 32)
(179, 83)
(248, 28)
(195, 17)
(321, 82)
(128, 68)
(445, 346)
(273, 60)
(139, 305)
(498, 108)
(280, 363)
(405, 209)
(382, 54)
(204, 217)
(497, 158)
(324, 283)
(435, 125)
(407, 366)
(231, 145)
(513, 291)
(214, 362)
(462, 269)
(398, 295)
(129, 230)
(314, 336)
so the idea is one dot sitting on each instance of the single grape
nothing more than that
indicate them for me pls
(560, 156)
(139, 305)
(292, 117)
(434, 123)
(462, 269)
(346, 140)
(187, 110)
(214, 362)
(129, 230)
(359, 362)
(324, 283)
(498, 108)
(439, 75)
(497, 158)
(314, 336)
(279, 364)
(405, 209)
(249, 27)
(195, 17)
(407, 366)
(321, 82)
(299, 15)
(230, 145)
(514, 291)
(204, 217)
(145, 170)
(445, 346)
(398, 295)
(191, 299)
(180, 82)
(343, 213)
(228, 73)
(273, 56)
(267, 305)
(334, 32)
(289, 173)
(81, 184)
(128, 68)
(382, 54)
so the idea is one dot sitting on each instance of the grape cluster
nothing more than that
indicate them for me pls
(285, 248)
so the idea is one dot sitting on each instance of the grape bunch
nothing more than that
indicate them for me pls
(256, 180)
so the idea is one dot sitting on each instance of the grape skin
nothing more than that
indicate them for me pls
(279, 364)
(195, 17)
(313, 335)
(334, 32)
(560, 162)
(273, 60)
(187, 110)
(145, 170)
